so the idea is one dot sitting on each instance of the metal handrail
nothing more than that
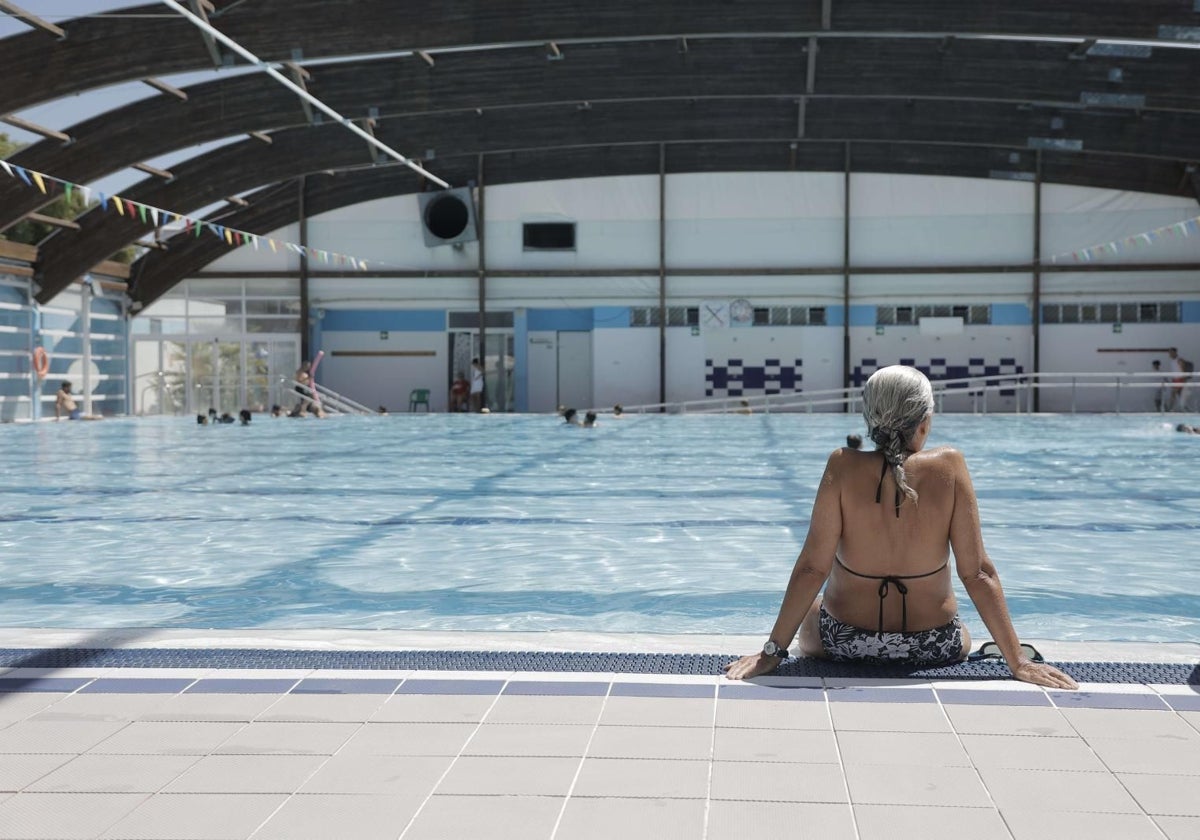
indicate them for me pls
(975, 387)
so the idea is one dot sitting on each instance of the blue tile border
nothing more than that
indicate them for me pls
(224, 685)
(555, 688)
(148, 685)
(981, 697)
(450, 687)
(630, 689)
(335, 685)
(880, 694)
(51, 685)
(1183, 702)
(751, 691)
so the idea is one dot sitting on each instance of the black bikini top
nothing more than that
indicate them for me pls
(879, 488)
(885, 584)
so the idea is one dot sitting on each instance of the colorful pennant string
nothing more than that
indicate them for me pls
(153, 216)
(1183, 230)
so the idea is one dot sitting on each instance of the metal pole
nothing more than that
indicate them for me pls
(482, 251)
(1037, 271)
(217, 34)
(846, 272)
(305, 329)
(86, 325)
(662, 274)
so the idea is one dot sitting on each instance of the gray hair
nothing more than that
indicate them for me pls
(896, 399)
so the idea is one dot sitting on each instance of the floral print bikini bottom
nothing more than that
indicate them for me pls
(844, 642)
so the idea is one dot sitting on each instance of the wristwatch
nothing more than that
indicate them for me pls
(772, 649)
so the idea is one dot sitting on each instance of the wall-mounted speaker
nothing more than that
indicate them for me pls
(448, 217)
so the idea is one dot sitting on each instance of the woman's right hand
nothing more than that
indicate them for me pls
(754, 665)
(1039, 673)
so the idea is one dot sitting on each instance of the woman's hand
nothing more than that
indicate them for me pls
(754, 665)
(1039, 673)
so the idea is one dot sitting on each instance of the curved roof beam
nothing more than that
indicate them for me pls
(274, 207)
(68, 253)
(101, 51)
(990, 71)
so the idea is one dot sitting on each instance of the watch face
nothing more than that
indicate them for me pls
(741, 311)
(771, 649)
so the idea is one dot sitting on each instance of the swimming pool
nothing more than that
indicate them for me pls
(650, 524)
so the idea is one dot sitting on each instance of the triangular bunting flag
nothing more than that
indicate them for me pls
(4, 165)
(23, 176)
(37, 179)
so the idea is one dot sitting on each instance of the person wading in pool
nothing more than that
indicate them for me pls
(882, 528)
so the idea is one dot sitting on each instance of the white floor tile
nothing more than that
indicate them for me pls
(409, 739)
(630, 819)
(729, 820)
(644, 778)
(1030, 752)
(378, 774)
(19, 771)
(747, 781)
(196, 816)
(322, 817)
(651, 742)
(168, 738)
(1057, 790)
(889, 717)
(246, 774)
(935, 749)
(289, 738)
(499, 817)
(916, 822)
(873, 784)
(1078, 825)
(773, 714)
(63, 815)
(807, 746)
(509, 776)
(115, 774)
(500, 739)
(1172, 796)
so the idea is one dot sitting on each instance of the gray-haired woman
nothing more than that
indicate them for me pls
(883, 525)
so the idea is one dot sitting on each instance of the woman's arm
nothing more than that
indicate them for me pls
(982, 583)
(808, 575)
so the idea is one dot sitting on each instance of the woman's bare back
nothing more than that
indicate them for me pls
(878, 543)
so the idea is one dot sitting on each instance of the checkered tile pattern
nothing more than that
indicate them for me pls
(735, 378)
(938, 369)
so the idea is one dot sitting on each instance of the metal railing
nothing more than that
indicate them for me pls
(331, 401)
(1060, 393)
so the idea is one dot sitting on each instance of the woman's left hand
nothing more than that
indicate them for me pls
(754, 665)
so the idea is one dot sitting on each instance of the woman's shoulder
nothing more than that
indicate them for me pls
(945, 457)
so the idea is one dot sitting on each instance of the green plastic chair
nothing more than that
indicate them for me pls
(418, 396)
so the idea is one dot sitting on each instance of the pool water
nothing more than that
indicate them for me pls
(648, 524)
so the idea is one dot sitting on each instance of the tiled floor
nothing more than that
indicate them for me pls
(412, 755)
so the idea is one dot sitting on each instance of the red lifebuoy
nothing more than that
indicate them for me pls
(41, 362)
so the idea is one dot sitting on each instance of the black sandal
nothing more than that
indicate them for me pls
(991, 650)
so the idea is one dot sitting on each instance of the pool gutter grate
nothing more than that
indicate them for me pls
(620, 663)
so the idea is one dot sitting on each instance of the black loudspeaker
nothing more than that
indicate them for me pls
(448, 217)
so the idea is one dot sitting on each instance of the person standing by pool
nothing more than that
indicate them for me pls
(1178, 367)
(476, 394)
(882, 528)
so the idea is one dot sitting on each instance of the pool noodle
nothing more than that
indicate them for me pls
(312, 378)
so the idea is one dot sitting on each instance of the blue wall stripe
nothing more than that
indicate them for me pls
(560, 319)
(611, 317)
(862, 315)
(1011, 315)
(374, 320)
(1190, 312)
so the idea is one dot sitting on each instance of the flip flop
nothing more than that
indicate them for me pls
(990, 650)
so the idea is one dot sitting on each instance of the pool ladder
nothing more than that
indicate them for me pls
(334, 402)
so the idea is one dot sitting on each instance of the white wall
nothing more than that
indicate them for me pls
(386, 380)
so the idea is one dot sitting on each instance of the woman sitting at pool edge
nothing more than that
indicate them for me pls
(882, 528)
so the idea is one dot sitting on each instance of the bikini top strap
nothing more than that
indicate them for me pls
(879, 488)
(885, 584)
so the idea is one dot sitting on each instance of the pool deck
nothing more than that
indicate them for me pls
(201, 752)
